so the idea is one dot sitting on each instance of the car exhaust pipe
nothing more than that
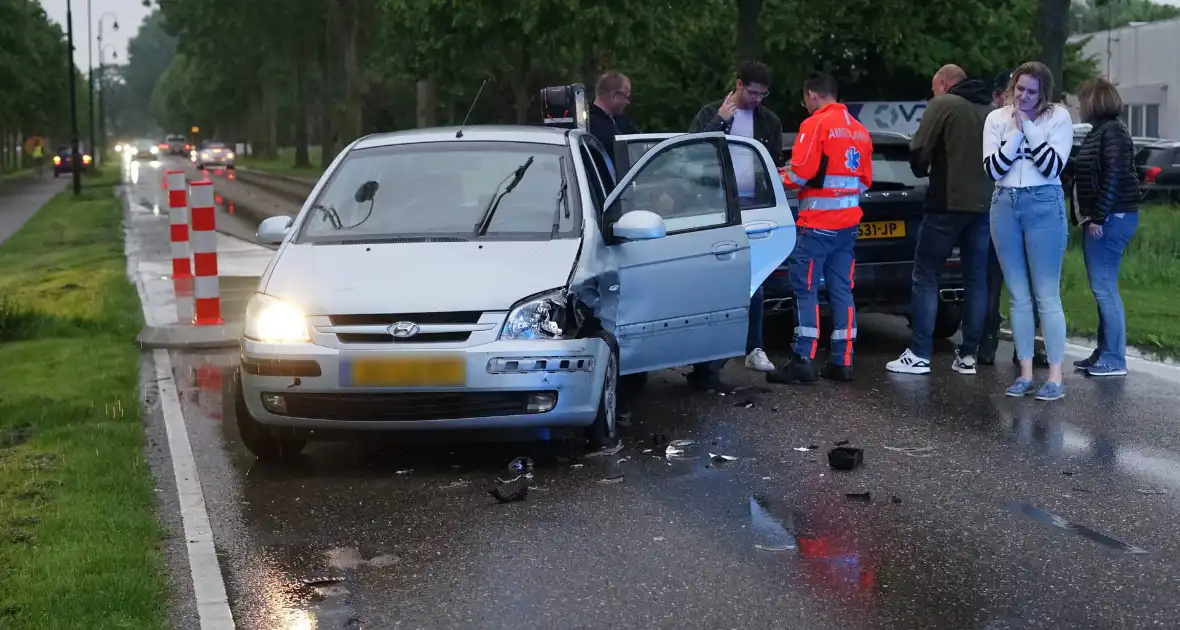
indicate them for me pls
(952, 295)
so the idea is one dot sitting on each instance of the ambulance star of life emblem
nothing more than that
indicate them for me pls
(852, 159)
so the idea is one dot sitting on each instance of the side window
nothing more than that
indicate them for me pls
(685, 185)
(599, 159)
(753, 180)
(597, 189)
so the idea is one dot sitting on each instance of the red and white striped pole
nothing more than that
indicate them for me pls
(182, 275)
(206, 284)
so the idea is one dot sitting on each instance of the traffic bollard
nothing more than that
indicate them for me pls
(206, 284)
(182, 275)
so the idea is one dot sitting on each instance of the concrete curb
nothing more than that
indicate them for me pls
(187, 337)
(290, 179)
(279, 185)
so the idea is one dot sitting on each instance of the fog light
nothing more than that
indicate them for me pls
(274, 403)
(541, 403)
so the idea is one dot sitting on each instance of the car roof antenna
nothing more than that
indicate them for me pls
(459, 133)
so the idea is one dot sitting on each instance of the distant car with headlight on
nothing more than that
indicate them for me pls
(498, 278)
(215, 155)
(142, 149)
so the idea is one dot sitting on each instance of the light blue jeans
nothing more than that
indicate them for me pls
(1030, 233)
(1103, 257)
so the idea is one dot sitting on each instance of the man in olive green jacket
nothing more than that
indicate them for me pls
(948, 147)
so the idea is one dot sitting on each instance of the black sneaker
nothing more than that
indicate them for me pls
(1086, 363)
(709, 384)
(798, 370)
(837, 372)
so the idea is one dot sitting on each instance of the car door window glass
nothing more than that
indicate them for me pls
(685, 185)
(599, 159)
(753, 180)
(597, 190)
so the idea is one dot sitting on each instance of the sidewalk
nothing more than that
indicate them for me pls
(149, 265)
(21, 198)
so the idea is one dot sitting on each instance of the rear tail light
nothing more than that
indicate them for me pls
(1150, 175)
(162, 145)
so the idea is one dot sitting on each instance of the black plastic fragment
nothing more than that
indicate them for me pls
(860, 496)
(845, 457)
(842, 443)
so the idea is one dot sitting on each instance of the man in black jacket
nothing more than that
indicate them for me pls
(742, 113)
(612, 94)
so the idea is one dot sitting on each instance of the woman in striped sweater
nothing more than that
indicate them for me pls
(1025, 145)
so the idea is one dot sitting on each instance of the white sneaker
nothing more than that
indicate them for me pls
(909, 363)
(758, 361)
(964, 364)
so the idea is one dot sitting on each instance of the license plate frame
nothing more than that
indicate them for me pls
(446, 370)
(881, 229)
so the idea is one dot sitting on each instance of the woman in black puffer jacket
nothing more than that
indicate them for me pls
(1106, 187)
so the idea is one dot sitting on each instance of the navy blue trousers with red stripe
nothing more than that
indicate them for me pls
(826, 254)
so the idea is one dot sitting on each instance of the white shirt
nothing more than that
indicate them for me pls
(743, 158)
(1032, 154)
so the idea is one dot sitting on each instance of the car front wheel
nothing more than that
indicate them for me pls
(604, 432)
(260, 439)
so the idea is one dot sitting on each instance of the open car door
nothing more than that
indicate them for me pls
(673, 227)
(766, 213)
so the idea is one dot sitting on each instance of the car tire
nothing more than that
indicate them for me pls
(258, 438)
(947, 321)
(604, 433)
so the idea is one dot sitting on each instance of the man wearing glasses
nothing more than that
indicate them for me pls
(612, 94)
(742, 113)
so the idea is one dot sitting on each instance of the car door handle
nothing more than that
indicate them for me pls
(725, 250)
(760, 229)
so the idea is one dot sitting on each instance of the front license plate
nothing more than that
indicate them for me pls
(882, 229)
(433, 371)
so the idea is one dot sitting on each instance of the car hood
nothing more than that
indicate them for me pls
(418, 277)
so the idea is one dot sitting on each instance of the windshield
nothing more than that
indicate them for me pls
(214, 145)
(145, 143)
(444, 189)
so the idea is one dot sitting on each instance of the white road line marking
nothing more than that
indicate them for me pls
(208, 585)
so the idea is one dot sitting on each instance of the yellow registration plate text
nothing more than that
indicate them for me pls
(431, 371)
(882, 229)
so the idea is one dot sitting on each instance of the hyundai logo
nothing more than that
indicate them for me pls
(404, 330)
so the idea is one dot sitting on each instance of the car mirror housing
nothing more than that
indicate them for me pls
(273, 230)
(639, 225)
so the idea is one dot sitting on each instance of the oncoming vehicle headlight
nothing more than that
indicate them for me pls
(539, 317)
(155, 150)
(229, 155)
(272, 320)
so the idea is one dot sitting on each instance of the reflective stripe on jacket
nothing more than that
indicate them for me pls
(831, 165)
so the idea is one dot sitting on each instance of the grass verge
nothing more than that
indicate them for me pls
(284, 164)
(79, 540)
(1148, 280)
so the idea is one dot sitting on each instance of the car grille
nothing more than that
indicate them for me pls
(406, 406)
(379, 322)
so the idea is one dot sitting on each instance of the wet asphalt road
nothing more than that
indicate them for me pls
(985, 512)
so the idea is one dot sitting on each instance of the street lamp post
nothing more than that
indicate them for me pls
(101, 151)
(102, 79)
(75, 158)
(98, 152)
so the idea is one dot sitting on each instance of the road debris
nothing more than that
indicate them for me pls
(745, 404)
(841, 442)
(612, 450)
(722, 458)
(845, 457)
(1150, 491)
(658, 439)
(453, 485)
(319, 582)
(912, 451)
(406, 471)
(614, 472)
(860, 496)
(895, 499)
(517, 487)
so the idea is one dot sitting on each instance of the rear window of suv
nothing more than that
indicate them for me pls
(1157, 156)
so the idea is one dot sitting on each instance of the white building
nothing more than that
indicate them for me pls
(1143, 60)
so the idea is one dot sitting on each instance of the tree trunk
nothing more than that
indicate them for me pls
(1052, 29)
(327, 73)
(302, 159)
(350, 31)
(270, 123)
(749, 30)
(427, 102)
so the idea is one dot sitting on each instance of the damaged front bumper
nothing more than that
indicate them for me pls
(506, 385)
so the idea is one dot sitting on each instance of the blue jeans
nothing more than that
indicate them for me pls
(1103, 257)
(1030, 233)
(937, 236)
(826, 254)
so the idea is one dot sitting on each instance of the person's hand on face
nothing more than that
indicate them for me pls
(728, 108)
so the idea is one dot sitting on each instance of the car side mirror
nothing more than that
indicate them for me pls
(639, 225)
(273, 230)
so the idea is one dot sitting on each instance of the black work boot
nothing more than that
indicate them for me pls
(987, 350)
(837, 372)
(797, 370)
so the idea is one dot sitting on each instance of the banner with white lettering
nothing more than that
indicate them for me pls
(895, 116)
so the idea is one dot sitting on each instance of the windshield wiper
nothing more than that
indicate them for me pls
(330, 215)
(563, 200)
(481, 228)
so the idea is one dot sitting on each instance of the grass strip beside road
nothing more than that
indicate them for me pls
(79, 539)
(284, 164)
(1148, 279)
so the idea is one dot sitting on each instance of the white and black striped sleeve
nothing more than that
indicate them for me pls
(1050, 148)
(999, 155)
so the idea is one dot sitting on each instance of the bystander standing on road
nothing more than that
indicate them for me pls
(1106, 184)
(612, 94)
(831, 165)
(995, 277)
(741, 113)
(947, 147)
(1025, 145)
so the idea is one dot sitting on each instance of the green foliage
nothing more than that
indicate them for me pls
(1101, 15)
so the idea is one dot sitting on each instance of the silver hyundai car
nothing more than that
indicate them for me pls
(500, 278)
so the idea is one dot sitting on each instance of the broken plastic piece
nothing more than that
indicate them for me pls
(912, 451)
(1150, 491)
(845, 457)
(682, 443)
(802, 449)
(406, 471)
(613, 450)
(860, 496)
(895, 499)
(453, 484)
(1067, 473)
(323, 581)
(747, 404)
(722, 458)
(841, 442)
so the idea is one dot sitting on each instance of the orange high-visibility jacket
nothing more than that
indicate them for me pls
(831, 165)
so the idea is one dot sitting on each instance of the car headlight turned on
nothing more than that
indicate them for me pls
(537, 317)
(155, 150)
(204, 156)
(271, 320)
(229, 155)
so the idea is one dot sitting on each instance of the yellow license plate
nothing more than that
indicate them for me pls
(882, 229)
(433, 371)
